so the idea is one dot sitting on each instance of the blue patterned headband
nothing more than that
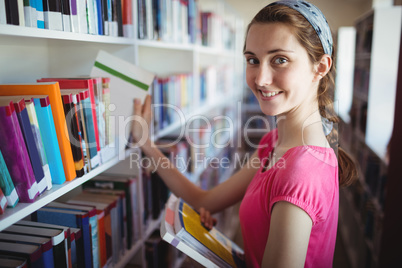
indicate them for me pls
(316, 19)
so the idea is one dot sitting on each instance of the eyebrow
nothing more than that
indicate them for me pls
(270, 51)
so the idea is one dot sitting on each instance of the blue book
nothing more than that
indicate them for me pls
(30, 13)
(79, 248)
(33, 253)
(48, 132)
(33, 120)
(74, 219)
(93, 221)
(85, 105)
(6, 184)
(44, 242)
(40, 19)
(98, 4)
(26, 130)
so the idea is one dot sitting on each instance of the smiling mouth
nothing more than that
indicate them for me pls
(270, 94)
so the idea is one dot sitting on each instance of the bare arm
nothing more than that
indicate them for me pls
(222, 196)
(288, 238)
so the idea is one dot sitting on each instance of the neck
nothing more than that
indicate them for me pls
(301, 126)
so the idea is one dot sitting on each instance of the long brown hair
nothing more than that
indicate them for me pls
(309, 39)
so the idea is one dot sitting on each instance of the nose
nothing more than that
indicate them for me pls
(263, 76)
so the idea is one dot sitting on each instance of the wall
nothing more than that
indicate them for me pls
(339, 13)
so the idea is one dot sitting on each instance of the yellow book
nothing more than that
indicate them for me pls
(182, 228)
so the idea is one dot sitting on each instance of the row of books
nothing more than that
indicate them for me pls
(59, 129)
(167, 20)
(215, 32)
(36, 150)
(99, 17)
(175, 95)
(172, 96)
(92, 229)
(215, 81)
(182, 21)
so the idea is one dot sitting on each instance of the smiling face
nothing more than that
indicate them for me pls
(279, 71)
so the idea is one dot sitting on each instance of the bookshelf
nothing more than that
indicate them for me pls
(367, 135)
(29, 53)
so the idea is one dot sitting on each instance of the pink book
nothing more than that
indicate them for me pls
(15, 154)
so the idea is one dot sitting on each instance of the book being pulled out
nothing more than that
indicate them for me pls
(182, 228)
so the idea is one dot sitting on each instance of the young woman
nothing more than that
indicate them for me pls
(289, 209)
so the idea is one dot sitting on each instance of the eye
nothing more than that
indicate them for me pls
(280, 60)
(252, 61)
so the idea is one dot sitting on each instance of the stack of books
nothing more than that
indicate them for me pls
(92, 229)
(59, 129)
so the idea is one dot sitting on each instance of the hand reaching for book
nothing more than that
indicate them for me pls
(206, 219)
(140, 129)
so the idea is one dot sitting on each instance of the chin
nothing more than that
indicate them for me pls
(268, 111)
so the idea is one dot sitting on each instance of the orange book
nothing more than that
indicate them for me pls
(53, 91)
(103, 214)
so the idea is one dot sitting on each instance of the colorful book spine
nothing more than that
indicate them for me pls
(81, 131)
(48, 132)
(128, 185)
(30, 13)
(66, 12)
(82, 16)
(12, 14)
(70, 219)
(99, 17)
(55, 19)
(93, 221)
(33, 120)
(79, 244)
(29, 139)
(127, 14)
(89, 85)
(51, 89)
(90, 129)
(100, 213)
(74, 16)
(73, 133)
(16, 156)
(21, 12)
(40, 18)
(109, 139)
(7, 185)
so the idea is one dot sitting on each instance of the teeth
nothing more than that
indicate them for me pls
(269, 94)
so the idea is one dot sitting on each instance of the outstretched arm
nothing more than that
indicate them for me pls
(222, 196)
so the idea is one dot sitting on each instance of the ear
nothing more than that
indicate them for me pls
(322, 67)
